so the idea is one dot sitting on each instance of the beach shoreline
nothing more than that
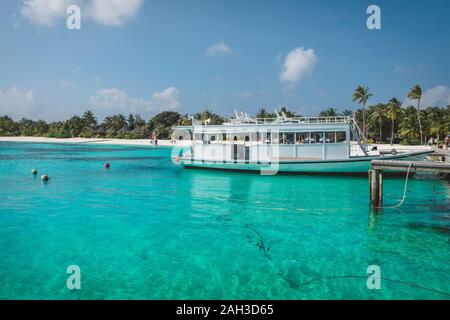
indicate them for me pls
(98, 141)
(169, 143)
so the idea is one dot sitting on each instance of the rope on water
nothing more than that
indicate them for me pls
(404, 191)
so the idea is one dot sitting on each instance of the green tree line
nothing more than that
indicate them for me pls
(118, 126)
(388, 122)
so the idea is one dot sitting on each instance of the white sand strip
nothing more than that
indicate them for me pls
(168, 143)
(132, 142)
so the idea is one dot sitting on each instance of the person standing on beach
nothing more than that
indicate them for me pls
(153, 138)
(446, 142)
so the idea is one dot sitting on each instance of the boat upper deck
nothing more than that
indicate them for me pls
(287, 120)
(246, 121)
(243, 123)
(281, 122)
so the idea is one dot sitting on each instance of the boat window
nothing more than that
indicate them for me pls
(198, 138)
(302, 137)
(330, 137)
(268, 137)
(316, 137)
(275, 137)
(287, 138)
(224, 136)
(213, 138)
(341, 137)
(247, 138)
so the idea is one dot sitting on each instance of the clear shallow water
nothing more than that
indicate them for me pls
(148, 229)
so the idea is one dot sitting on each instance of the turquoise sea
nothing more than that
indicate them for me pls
(149, 229)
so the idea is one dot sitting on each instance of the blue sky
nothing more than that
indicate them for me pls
(145, 56)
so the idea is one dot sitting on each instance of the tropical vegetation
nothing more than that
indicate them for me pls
(382, 123)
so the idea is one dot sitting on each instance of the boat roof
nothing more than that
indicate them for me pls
(283, 120)
(339, 122)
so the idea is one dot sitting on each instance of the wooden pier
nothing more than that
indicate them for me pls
(381, 166)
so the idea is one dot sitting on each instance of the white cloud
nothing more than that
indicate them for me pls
(218, 49)
(168, 98)
(66, 83)
(44, 12)
(113, 12)
(105, 12)
(437, 96)
(17, 103)
(298, 64)
(15, 19)
(109, 101)
(244, 94)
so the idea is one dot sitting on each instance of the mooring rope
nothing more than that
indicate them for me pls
(404, 191)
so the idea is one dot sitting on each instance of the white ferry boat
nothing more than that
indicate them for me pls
(282, 145)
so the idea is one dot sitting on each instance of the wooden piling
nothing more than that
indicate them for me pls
(376, 188)
(379, 166)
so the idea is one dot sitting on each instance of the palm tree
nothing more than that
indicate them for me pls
(75, 126)
(262, 113)
(289, 114)
(185, 120)
(346, 112)
(435, 123)
(138, 121)
(393, 112)
(416, 94)
(408, 124)
(209, 114)
(330, 112)
(89, 120)
(114, 124)
(131, 122)
(362, 95)
(377, 116)
(41, 128)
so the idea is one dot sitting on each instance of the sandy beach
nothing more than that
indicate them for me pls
(131, 142)
(168, 143)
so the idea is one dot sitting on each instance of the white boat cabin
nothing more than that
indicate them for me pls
(253, 140)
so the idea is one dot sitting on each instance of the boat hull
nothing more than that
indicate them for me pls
(355, 165)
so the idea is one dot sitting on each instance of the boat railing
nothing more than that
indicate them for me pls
(358, 136)
(288, 120)
(280, 120)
